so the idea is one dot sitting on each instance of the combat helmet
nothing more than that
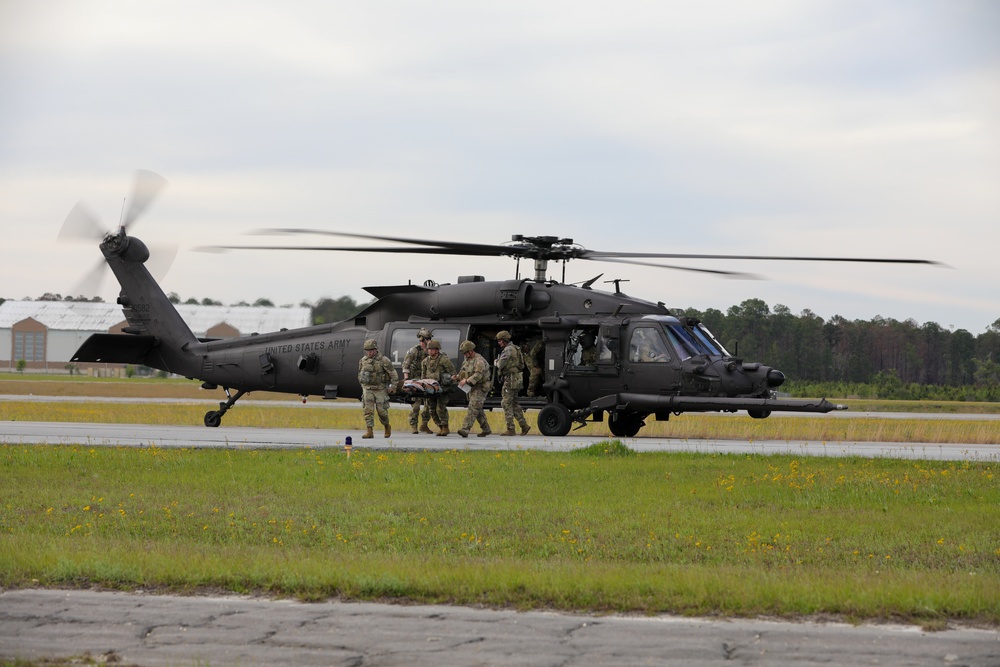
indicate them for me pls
(466, 346)
(425, 334)
(503, 335)
(370, 344)
(434, 344)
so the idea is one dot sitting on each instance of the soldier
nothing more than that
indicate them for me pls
(378, 379)
(438, 367)
(533, 360)
(411, 371)
(475, 374)
(509, 365)
(588, 349)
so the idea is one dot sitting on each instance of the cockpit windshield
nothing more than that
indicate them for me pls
(709, 340)
(691, 342)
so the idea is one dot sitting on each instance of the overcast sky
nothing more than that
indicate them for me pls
(867, 128)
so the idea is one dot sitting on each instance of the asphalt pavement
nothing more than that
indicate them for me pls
(145, 435)
(166, 630)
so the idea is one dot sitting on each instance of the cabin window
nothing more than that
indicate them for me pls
(582, 349)
(402, 341)
(449, 339)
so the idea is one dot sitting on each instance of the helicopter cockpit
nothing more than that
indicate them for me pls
(691, 339)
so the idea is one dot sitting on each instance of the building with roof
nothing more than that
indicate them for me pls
(45, 334)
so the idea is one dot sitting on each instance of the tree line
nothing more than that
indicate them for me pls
(892, 359)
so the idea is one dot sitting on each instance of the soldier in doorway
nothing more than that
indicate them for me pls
(411, 371)
(533, 360)
(378, 379)
(510, 366)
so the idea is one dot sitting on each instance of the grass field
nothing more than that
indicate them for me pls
(600, 529)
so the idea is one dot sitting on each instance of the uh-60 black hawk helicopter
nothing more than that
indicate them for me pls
(602, 353)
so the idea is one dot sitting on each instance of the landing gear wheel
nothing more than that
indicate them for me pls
(759, 413)
(624, 425)
(554, 420)
(213, 418)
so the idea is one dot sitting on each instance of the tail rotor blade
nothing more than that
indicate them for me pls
(81, 224)
(147, 186)
(161, 258)
(90, 284)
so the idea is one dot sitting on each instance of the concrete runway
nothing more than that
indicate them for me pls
(154, 630)
(139, 435)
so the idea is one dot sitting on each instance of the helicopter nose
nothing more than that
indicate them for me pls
(775, 378)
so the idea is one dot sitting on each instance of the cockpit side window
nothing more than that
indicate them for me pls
(646, 345)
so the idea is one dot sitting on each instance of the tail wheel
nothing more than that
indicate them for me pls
(554, 420)
(625, 425)
(213, 418)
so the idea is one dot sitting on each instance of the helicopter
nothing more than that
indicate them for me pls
(601, 354)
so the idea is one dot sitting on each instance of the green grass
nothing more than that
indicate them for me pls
(599, 529)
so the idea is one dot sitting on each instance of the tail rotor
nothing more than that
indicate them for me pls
(83, 225)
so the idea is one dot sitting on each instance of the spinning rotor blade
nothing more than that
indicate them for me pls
(416, 251)
(718, 272)
(604, 256)
(161, 258)
(147, 186)
(90, 284)
(81, 224)
(443, 247)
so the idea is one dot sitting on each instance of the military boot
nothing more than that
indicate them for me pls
(368, 433)
(525, 428)
(424, 429)
(509, 431)
(464, 432)
(388, 430)
(444, 431)
(483, 434)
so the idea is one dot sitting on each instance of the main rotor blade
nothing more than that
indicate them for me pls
(81, 224)
(602, 255)
(462, 248)
(416, 251)
(718, 272)
(147, 186)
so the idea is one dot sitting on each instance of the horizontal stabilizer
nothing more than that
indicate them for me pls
(115, 349)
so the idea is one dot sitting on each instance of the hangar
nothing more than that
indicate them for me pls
(45, 334)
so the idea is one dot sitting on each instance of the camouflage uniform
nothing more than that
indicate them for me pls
(375, 374)
(509, 366)
(438, 368)
(411, 371)
(476, 372)
(588, 350)
(533, 360)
